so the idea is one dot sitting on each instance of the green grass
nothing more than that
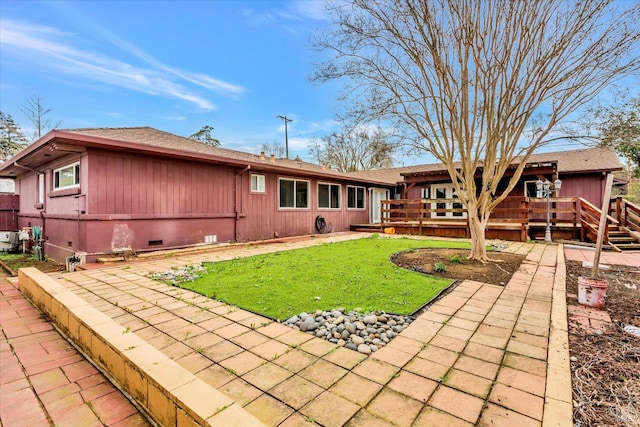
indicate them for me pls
(351, 274)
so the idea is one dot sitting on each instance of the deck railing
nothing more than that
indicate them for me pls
(517, 212)
(567, 213)
(628, 214)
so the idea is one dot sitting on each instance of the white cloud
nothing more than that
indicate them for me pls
(312, 9)
(295, 11)
(45, 46)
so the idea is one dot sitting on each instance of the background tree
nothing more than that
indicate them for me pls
(478, 84)
(618, 126)
(12, 139)
(36, 113)
(204, 136)
(354, 150)
(273, 148)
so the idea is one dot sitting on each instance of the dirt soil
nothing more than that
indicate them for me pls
(605, 364)
(458, 267)
(12, 266)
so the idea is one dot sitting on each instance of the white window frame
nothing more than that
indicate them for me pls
(260, 183)
(41, 188)
(75, 167)
(330, 186)
(295, 193)
(364, 197)
(449, 194)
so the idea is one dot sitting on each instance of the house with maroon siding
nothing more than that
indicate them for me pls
(100, 191)
(112, 190)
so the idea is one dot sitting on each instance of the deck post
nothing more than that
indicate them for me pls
(604, 222)
(524, 218)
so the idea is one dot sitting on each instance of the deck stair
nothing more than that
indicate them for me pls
(623, 239)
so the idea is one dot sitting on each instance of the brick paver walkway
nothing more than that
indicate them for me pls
(479, 356)
(46, 382)
(630, 258)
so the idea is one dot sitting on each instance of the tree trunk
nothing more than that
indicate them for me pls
(477, 227)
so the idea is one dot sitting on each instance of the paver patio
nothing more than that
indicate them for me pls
(45, 381)
(481, 355)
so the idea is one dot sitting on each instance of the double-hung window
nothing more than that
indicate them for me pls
(355, 197)
(257, 183)
(294, 193)
(329, 196)
(66, 177)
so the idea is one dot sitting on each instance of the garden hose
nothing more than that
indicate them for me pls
(320, 224)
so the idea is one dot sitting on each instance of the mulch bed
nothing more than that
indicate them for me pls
(605, 360)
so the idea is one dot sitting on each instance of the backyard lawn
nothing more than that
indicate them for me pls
(351, 274)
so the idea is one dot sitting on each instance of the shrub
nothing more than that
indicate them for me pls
(458, 259)
(439, 267)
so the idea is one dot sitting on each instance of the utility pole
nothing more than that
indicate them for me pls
(286, 134)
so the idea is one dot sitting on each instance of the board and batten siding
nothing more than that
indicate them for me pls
(142, 186)
(265, 219)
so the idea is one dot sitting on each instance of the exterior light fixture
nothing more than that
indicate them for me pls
(544, 189)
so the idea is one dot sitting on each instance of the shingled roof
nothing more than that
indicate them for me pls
(157, 138)
(150, 140)
(586, 160)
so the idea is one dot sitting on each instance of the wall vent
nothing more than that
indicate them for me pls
(155, 242)
(211, 238)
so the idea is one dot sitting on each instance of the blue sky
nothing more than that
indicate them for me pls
(176, 66)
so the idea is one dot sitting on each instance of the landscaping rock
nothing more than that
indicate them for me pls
(364, 349)
(369, 320)
(309, 325)
(357, 340)
(354, 330)
(292, 320)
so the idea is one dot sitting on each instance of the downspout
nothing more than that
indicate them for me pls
(237, 201)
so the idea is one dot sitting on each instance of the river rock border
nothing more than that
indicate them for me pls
(361, 332)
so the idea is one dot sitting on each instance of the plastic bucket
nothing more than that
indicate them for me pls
(591, 292)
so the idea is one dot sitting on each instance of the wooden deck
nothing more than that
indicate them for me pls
(516, 219)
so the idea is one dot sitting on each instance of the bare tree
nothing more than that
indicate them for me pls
(11, 137)
(354, 149)
(273, 148)
(204, 136)
(479, 84)
(36, 113)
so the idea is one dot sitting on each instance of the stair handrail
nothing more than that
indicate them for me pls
(590, 218)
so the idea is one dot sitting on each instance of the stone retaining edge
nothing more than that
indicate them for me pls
(558, 406)
(171, 395)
